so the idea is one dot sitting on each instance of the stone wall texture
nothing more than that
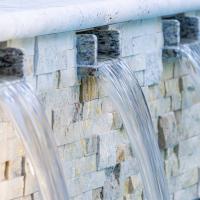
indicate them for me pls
(92, 143)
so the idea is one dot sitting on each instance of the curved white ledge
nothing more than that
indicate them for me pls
(26, 19)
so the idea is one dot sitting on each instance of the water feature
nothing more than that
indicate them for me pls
(27, 114)
(191, 52)
(190, 61)
(126, 93)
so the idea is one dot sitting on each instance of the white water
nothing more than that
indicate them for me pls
(126, 93)
(26, 113)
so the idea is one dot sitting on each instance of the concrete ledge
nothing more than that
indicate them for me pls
(27, 19)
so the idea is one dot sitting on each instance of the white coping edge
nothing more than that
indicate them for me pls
(33, 22)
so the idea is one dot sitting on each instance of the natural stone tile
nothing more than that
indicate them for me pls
(137, 32)
(101, 88)
(171, 162)
(47, 81)
(139, 27)
(138, 195)
(189, 122)
(14, 168)
(94, 108)
(30, 181)
(107, 152)
(123, 152)
(154, 70)
(172, 87)
(68, 168)
(11, 189)
(12, 149)
(136, 182)
(189, 146)
(77, 166)
(187, 179)
(128, 186)
(85, 165)
(168, 70)
(97, 126)
(185, 194)
(85, 183)
(167, 130)
(25, 44)
(155, 92)
(52, 52)
(112, 183)
(189, 162)
(182, 67)
(2, 171)
(129, 168)
(84, 129)
(71, 56)
(117, 121)
(63, 121)
(137, 62)
(67, 78)
(90, 145)
(190, 94)
(73, 151)
(107, 105)
(160, 107)
(176, 101)
(89, 89)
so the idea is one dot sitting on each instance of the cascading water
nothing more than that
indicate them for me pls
(190, 61)
(191, 52)
(126, 93)
(26, 113)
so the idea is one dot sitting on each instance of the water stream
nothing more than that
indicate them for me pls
(126, 93)
(26, 113)
(191, 52)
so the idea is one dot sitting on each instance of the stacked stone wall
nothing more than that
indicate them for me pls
(97, 159)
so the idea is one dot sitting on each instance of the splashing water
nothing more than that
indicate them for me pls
(26, 113)
(126, 93)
